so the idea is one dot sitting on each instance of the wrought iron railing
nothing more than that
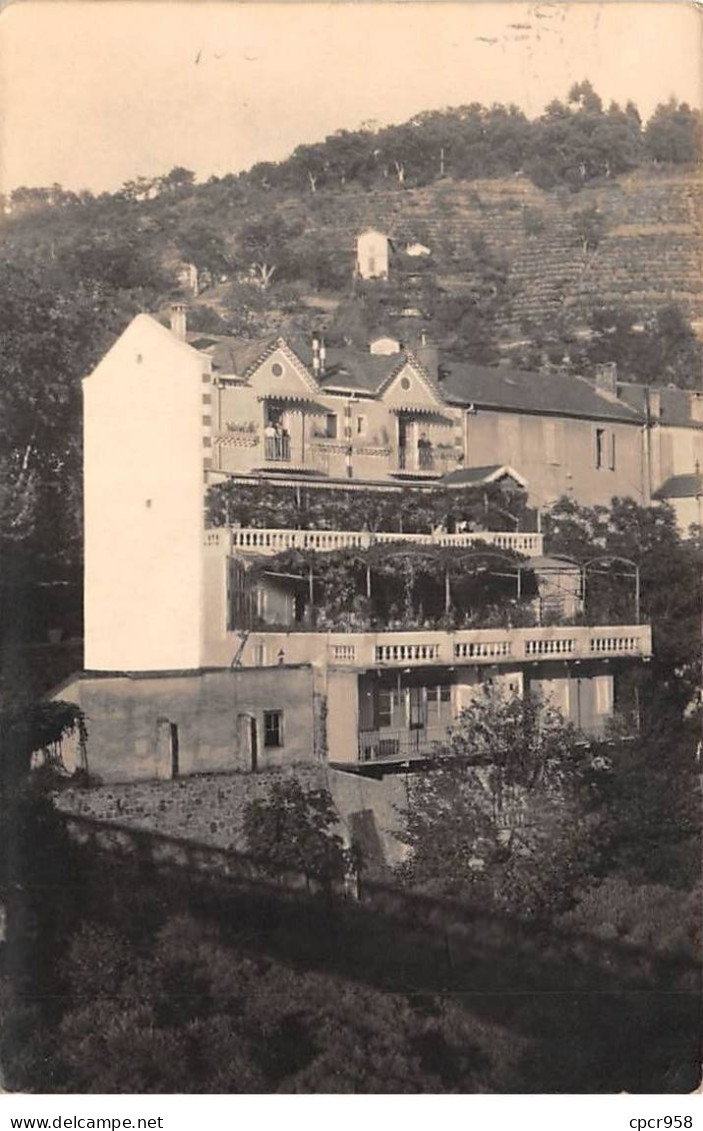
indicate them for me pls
(400, 745)
(278, 448)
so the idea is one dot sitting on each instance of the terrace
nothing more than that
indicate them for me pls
(431, 649)
(313, 509)
(271, 540)
(387, 583)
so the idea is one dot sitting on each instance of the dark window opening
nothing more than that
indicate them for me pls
(273, 728)
(600, 447)
(331, 427)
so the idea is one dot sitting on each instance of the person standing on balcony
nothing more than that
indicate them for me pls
(283, 442)
(270, 440)
(424, 451)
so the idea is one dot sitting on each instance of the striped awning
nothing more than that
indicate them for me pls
(295, 400)
(420, 410)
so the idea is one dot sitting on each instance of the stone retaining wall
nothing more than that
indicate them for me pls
(210, 808)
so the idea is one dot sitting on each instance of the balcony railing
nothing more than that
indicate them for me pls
(273, 541)
(399, 745)
(277, 448)
(502, 646)
(425, 459)
(421, 458)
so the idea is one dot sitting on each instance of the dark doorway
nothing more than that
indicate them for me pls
(402, 442)
(173, 740)
(253, 744)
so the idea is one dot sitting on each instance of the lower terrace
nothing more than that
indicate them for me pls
(368, 650)
(395, 584)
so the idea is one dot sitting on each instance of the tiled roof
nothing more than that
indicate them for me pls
(346, 367)
(676, 404)
(349, 368)
(559, 394)
(230, 355)
(467, 476)
(680, 487)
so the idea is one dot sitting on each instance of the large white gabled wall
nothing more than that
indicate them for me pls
(144, 409)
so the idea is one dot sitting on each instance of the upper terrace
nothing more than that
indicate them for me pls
(267, 517)
(357, 561)
(270, 541)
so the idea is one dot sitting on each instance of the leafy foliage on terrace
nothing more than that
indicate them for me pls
(407, 510)
(401, 586)
(670, 571)
(505, 817)
(294, 828)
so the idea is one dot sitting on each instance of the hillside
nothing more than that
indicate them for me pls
(570, 240)
(650, 252)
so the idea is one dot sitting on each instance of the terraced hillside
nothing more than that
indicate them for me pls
(650, 252)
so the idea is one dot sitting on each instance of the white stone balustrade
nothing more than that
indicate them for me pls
(363, 650)
(273, 541)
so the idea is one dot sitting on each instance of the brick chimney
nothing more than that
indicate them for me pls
(607, 378)
(428, 356)
(178, 320)
(654, 404)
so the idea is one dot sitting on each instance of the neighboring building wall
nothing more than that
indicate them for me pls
(679, 449)
(689, 512)
(585, 699)
(342, 715)
(559, 456)
(145, 436)
(130, 722)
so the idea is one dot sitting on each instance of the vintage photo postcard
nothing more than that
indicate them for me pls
(351, 532)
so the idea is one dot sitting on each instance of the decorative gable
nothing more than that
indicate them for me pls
(281, 373)
(410, 385)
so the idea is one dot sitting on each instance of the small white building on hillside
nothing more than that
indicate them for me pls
(372, 254)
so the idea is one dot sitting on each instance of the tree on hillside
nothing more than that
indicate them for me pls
(655, 349)
(501, 818)
(589, 227)
(263, 248)
(674, 133)
(179, 182)
(650, 806)
(201, 242)
(293, 829)
(584, 96)
(578, 141)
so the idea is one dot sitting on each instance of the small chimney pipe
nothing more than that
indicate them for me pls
(607, 378)
(178, 320)
(315, 354)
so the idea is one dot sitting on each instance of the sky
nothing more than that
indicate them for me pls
(96, 92)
